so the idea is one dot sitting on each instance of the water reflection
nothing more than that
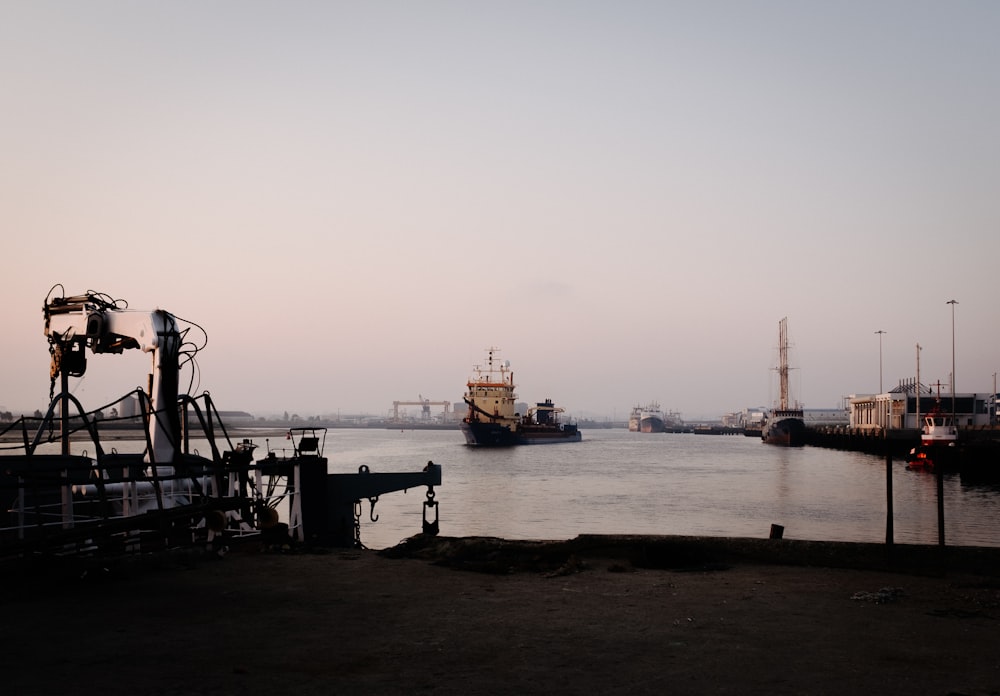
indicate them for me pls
(616, 482)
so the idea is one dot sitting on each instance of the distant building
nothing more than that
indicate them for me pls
(750, 418)
(235, 417)
(899, 408)
(753, 418)
(825, 417)
(732, 420)
(130, 407)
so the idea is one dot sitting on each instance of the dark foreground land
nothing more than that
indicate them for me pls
(596, 615)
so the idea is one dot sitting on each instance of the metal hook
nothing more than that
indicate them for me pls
(372, 515)
(431, 526)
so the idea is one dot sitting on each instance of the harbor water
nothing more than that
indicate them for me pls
(620, 482)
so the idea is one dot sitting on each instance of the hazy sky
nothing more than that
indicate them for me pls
(356, 199)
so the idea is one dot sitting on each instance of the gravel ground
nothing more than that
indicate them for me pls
(494, 617)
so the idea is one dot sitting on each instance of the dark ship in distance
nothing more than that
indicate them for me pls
(492, 419)
(785, 425)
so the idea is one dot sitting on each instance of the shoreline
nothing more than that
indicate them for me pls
(672, 552)
(495, 555)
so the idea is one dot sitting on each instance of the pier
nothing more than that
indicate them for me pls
(715, 430)
(866, 440)
(977, 451)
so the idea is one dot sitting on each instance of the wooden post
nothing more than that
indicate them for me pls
(888, 497)
(940, 504)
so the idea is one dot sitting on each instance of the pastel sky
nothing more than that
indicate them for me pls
(356, 199)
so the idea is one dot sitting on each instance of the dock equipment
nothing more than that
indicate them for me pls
(64, 491)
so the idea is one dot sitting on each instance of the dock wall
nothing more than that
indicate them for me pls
(869, 441)
(977, 452)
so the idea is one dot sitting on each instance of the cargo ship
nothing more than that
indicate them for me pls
(651, 418)
(784, 425)
(492, 419)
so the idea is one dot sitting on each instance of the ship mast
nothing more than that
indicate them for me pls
(783, 362)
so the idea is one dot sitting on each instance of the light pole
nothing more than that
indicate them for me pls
(953, 419)
(880, 332)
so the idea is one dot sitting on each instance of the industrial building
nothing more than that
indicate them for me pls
(902, 407)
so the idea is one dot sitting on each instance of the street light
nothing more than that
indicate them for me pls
(954, 421)
(880, 332)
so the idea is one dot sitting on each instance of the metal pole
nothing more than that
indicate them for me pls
(954, 422)
(954, 419)
(64, 412)
(880, 332)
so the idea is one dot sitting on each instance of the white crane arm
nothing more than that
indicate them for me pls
(90, 322)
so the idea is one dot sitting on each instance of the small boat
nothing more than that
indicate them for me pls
(492, 420)
(938, 441)
(651, 418)
(784, 425)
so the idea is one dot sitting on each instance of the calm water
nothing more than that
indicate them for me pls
(634, 483)
(617, 482)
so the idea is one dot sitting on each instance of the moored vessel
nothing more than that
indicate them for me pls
(492, 419)
(784, 425)
(651, 418)
(673, 422)
(938, 440)
(633, 419)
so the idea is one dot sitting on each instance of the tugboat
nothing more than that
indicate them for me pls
(785, 425)
(938, 440)
(492, 420)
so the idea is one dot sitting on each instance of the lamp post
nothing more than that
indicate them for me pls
(954, 424)
(953, 411)
(880, 332)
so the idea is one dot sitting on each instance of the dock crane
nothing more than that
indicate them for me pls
(168, 495)
(425, 407)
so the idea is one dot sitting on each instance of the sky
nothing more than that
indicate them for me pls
(356, 200)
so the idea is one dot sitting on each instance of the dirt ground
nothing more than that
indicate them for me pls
(428, 621)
